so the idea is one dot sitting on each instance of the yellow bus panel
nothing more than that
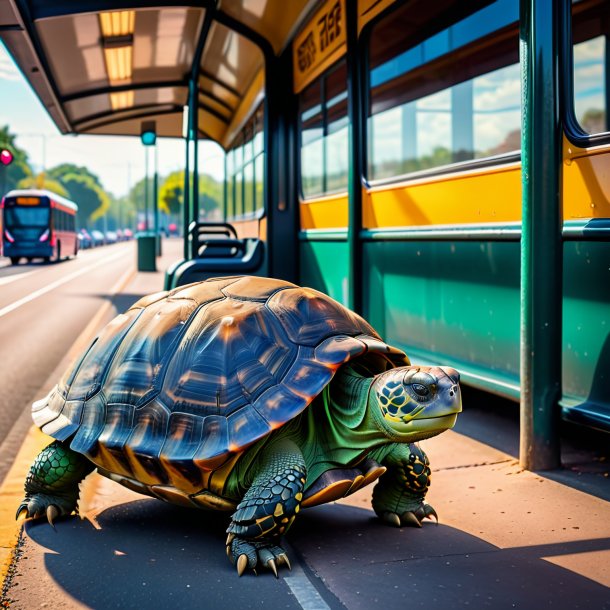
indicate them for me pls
(327, 213)
(586, 182)
(463, 198)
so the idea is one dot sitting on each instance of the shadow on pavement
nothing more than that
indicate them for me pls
(153, 555)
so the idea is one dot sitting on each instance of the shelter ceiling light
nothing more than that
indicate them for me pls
(122, 99)
(117, 23)
(118, 63)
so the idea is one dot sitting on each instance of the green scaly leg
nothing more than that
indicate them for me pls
(268, 509)
(51, 487)
(398, 497)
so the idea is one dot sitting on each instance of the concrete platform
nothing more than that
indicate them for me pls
(507, 538)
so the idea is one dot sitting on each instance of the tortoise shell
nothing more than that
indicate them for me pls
(185, 379)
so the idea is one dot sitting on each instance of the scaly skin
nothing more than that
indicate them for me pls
(268, 508)
(51, 487)
(398, 497)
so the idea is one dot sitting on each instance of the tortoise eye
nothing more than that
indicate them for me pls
(420, 390)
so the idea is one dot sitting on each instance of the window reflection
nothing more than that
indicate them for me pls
(324, 134)
(452, 97)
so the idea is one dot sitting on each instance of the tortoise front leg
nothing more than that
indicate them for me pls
(51, 487)
(268, 508)
(398, 497)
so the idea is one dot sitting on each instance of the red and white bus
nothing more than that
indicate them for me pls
(38, 224)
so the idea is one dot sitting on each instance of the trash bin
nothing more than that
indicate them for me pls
(147, 251)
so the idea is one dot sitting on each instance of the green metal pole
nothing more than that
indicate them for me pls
(541, 242)
(194, 128)
(146, 188)
(156, 191)
(354, 189)
(186, 194)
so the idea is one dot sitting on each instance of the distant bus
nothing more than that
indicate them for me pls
(38, 224)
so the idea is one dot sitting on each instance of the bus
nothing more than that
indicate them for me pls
(38, 224)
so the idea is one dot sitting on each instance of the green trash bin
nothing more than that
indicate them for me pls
(147, 252)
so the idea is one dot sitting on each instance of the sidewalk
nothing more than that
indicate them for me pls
(507, 538)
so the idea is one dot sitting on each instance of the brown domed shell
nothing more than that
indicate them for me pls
(188, 377)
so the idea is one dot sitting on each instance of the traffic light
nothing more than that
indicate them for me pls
(148, 133)
(6, 156)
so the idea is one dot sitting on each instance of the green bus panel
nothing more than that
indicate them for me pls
(324, 267)
(457, 303)
(586, 332)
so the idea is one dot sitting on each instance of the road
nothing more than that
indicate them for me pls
(43, 309)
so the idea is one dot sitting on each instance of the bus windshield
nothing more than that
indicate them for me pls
(21, 217)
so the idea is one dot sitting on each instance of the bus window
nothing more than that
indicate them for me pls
(23, 218)
(324, 134)
(454, 96)
(590, 31)
(245, 170)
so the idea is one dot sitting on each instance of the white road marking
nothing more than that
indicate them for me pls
(68, 278)
(18, 276)
(304, 591)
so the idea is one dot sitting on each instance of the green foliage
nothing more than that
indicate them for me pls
(171, 194)
(85, 189)
(19, 169)
(42, 181)
(88, 195)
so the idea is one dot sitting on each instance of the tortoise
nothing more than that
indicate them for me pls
(248, 395)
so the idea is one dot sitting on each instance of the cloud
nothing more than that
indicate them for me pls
(8, 71)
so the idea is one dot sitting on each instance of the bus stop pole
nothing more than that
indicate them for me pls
(186, 188)
(354, 189)
(194, 105)
(146, 189)
(541, 239)
(156, 200)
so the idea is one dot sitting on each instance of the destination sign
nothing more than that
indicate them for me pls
(320, 43)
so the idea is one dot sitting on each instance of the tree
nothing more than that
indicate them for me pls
(87, 194)
(85, 189)
(42, 181)
(19, 169)
(171, 194)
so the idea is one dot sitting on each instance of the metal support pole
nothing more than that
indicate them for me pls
(186, 197)
(156, 192)
(194, 128)
(541, 242)
(146, 188)
(354, 189)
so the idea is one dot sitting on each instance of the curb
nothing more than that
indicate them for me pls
(11, 490)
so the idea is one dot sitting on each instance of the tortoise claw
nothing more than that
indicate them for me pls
(271, 565)
(391, 518)
(283, 559)
(52, 513)
(430, 512)
(23, 508)
(242, 563)
(410, 518)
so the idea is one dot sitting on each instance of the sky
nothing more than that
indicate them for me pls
(118, 161)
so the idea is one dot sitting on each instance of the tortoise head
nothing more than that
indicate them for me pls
(415, 402)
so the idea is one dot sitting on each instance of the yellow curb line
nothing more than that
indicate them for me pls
(11, 490)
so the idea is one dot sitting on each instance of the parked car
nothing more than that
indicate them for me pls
(84, 240)
(111, 237)
(128, 233)
(97, 238)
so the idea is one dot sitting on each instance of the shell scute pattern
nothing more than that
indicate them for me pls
(309, 316)
(139, 364)
(88, 378)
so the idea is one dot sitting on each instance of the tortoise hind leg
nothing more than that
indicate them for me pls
(51, 486)
(268, 509)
